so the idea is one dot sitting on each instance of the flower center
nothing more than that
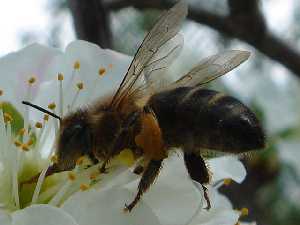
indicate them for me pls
(22, 157)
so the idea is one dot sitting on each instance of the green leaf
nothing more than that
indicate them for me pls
(18, 121)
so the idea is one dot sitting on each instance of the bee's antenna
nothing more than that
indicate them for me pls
(42, 109)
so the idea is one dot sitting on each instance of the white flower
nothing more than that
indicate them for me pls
(82, 197)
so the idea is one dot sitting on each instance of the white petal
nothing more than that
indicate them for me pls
(5, 218)
(106, 208)
(16, 68)
(227, 167)
(217, 217)
(173, 197)
(91, 58)
(42, 214)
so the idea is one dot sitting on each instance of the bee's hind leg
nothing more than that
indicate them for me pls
(198, 171)
(148, 177)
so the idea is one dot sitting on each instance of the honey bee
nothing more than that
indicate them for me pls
(151, 118)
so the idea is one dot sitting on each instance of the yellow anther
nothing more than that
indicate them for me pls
(22, 131)
(94, 175)
(29, 142)
(25, 147)
(80, 160)
(84, 187)
(54, 159)
(76, 65)
(7, 118)
(101, 71)
(60, 77)
(17, 143)
(227, 181)
(32, 80)
(110, 66)
(38, 125)
(244, 212)
(71, 176)
(1, 92)
(52, 106)
(46, 117)
(79, 86)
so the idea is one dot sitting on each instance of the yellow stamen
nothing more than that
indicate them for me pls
(1, 92)
(29, 142)
(71, 176)
(101, 71)
(84, 187)
(38, 125)
(25, 147)
(79, 86)
(46, 117)
(76, 65)
(7, 118)
(227, 181)
(80, 160)
(54, 159)
(244, 212)
(17, 143)
(32, 80)
(94, 175)
(22, 131)
(52, 106)
(60, 77)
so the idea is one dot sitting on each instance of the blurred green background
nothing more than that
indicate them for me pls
(268, 82)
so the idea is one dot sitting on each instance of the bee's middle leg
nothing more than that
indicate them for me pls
(198, 171)
(150, 173)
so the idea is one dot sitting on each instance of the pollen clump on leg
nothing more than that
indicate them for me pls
(126, 157)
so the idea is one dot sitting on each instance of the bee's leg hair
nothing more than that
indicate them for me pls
(148, 177)
(138, 169)
(198, 171)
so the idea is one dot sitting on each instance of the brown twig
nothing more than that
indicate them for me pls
(91, 21)
(245, 22)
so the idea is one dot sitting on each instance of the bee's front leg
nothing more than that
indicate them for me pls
(148, 177)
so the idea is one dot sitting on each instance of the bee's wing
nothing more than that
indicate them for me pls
(212, 68)
(163, 31)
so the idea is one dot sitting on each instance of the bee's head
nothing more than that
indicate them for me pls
(74, 140)
(107, 127)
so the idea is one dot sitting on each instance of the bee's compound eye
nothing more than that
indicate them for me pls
(72, 130)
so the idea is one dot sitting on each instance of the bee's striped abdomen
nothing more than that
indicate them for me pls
(200, 118)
